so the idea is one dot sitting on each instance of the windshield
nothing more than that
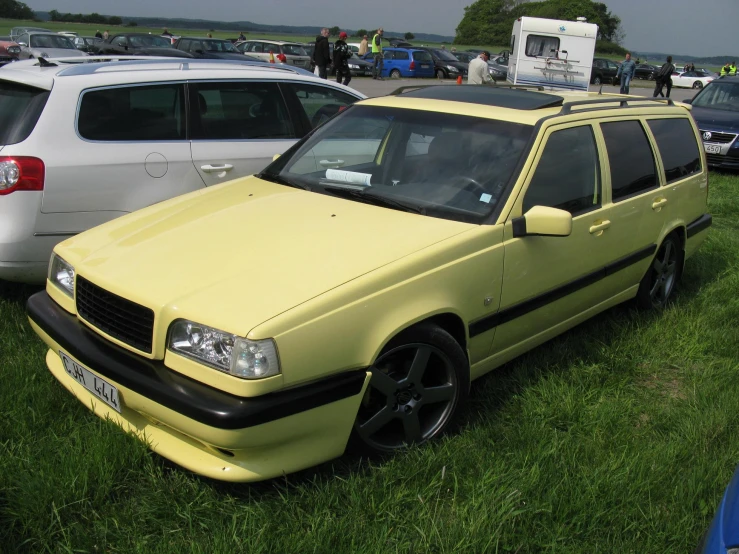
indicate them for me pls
(446, 56)
(293, 50)
(51, 41)
(219, 46)
(719, 96)
(438, 164)
(150, 41)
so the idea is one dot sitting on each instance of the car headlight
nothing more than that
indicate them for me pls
(14, 50)
(248, 359)
(62, 275)
(452, 69)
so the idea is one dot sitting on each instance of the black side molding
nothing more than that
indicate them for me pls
(154, 380)
(504, 316)
(700, 224)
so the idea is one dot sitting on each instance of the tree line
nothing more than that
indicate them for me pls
(491, 21)
(84, 18)
(12, 9)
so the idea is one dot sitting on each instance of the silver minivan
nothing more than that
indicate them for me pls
(83, 143)
(294, 53)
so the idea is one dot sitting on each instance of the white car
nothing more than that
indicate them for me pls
(83, 143)
(47, 45)
(690, 79)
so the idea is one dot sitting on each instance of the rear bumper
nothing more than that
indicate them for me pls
(198, 427)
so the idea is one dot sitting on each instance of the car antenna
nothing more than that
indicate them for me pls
(44, 63)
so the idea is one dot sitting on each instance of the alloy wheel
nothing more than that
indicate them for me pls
(412, 395)
(663, 274)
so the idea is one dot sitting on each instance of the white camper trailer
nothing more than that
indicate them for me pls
(552, 53)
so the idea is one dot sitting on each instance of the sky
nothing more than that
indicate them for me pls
(687, 27)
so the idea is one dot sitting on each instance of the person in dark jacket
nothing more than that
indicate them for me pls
(663, 77)
(342, 53)
(98, 34)
(322, 54)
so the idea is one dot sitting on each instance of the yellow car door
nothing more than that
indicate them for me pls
(551, 282)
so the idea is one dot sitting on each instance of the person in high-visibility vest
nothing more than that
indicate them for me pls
(377, 54)
(725, 70)
(732, 69)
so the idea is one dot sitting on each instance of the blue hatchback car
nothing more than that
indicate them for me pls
(405, 62)
(723, 535)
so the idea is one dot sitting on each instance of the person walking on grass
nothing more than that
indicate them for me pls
(663, 78)
(626, 73)
(377, 54)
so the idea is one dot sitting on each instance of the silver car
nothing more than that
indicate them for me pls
(47, 45)
(293, 52)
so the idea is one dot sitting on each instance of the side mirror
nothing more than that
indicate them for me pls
(22, 44)
(543, 221)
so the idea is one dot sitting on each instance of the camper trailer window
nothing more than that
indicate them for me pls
(537, 45)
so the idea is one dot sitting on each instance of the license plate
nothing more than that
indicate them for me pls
(425, 66)
(301, 63)
(96, 385)
(712, 148)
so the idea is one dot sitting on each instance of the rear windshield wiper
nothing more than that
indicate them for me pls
(368, 197)
(280, 180)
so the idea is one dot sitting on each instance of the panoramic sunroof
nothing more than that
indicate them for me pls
(489, 96)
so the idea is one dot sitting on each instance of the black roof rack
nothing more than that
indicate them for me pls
(622, 103)
(501, 97)
(401, 90)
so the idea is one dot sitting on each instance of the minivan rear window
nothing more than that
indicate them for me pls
(421, 56)
(20, 108)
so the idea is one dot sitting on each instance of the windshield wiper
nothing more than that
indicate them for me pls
(280, 180)
(364, 195)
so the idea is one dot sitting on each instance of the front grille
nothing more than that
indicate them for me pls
(722, 138)
(122, 319)
(718, 159)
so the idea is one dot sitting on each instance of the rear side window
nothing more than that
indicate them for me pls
(141, 113)
(421, 56)
(240, 111)
(568, 174)
(630, 155)
(401, 55)
(677, 145)
(20, 108)
(321, 103)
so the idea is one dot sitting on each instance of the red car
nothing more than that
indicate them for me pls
(9, 51)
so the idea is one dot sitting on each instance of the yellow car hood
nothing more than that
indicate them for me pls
(241, 253)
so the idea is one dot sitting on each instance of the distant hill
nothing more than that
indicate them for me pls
(250, 26)
(660, 57)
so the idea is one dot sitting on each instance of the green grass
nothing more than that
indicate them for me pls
(618, 436)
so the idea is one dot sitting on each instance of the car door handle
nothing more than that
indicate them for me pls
(216, 168)
(657, 204)
(599, 227)
(331, 164)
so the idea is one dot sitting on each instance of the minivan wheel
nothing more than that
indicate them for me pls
(440, 74)
(395, 74)
(657, 286)
(698, 85)
(418, 389)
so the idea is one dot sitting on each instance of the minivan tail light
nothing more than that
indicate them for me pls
(412, 66)
(21, 173)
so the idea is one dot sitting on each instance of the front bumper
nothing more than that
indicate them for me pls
(196, 426)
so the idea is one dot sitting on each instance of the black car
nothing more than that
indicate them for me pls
(445, 64)
(716, 112)
(211, 49)
(91, 45)
(603, 72)
(140, 44)
(645, 71)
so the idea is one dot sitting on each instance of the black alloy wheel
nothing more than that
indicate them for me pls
(658, 285)
(419, 385)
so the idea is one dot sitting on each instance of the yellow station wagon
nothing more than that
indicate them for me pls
(354, 288)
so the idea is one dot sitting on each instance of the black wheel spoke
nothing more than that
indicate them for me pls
(444, 393)
(383, 382)
(418, 367)
(376, 422)
(412, 427)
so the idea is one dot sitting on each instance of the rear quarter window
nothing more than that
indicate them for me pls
(421, 56)
(677, 146)
(20, 109)
(633, 169)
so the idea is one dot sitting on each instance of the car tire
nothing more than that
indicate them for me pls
(440, 74)
(418, 390)
(698, 85)
(658, 284)
(395, 74)
(597, 80)
(650, 77)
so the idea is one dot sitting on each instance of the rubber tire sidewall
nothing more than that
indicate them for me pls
(643, 301)
(395, 74)
(443, 74)
(427, 333)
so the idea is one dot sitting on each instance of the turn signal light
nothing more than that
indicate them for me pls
(21, 173)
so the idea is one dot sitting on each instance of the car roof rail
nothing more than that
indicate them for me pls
(400, 90)
(622, 103)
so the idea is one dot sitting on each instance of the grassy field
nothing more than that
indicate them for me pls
(619, 436)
